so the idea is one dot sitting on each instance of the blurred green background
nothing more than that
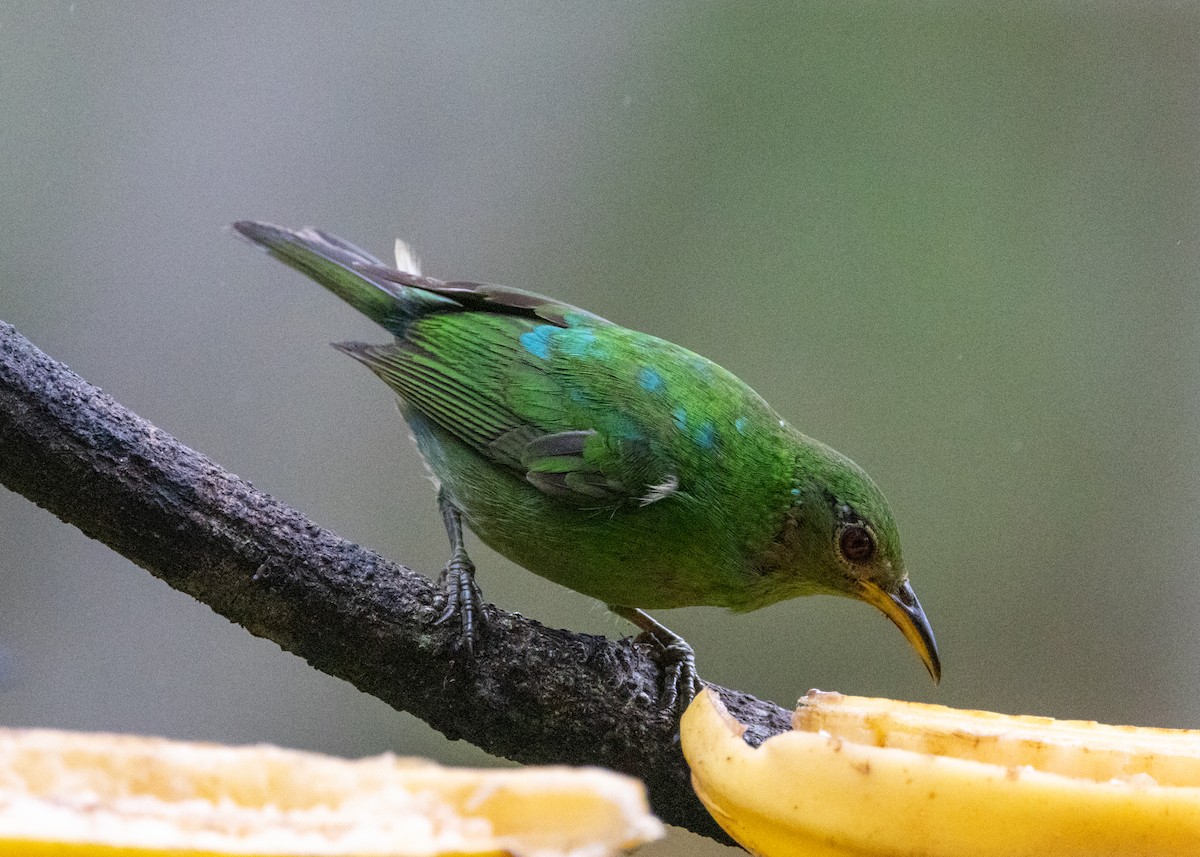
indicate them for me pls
(959, 243)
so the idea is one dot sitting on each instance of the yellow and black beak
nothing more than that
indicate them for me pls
(903, 608)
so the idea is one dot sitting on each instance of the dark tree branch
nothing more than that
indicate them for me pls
(532, 694)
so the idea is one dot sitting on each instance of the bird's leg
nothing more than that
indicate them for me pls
(678, 658)
(457, 579)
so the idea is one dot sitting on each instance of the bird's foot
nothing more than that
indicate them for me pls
(676, 658)
(463, 598)
(681, 681)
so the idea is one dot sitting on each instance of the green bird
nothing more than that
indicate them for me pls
(613, 462)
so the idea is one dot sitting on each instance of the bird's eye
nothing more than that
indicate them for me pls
(857, 543)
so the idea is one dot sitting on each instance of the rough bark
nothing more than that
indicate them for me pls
(532, 694)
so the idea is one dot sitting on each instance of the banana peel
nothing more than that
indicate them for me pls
(66, 793)
(857, 777)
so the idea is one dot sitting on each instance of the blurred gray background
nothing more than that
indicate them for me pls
(958, 243)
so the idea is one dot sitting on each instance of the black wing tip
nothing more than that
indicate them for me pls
(363, 352)
(271, 237)
(376, 270)
(267, 234)
(261, 233)
(354, 349)
(246, 226)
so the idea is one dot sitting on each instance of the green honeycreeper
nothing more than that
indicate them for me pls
(613, 462)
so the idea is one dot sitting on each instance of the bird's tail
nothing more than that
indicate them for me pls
(390, 297)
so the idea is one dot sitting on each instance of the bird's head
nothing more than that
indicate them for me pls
(839, 538)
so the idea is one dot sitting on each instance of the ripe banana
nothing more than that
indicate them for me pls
(866, 777)
(64, 793)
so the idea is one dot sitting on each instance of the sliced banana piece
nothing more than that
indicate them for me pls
(878, 777)
(66, 793)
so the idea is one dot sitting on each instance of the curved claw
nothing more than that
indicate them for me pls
(677, 659)
(682, 681)
(463, 597)
(458, 578)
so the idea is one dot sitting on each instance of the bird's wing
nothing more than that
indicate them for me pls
(488, 297)
(392, 297)
(497, 383)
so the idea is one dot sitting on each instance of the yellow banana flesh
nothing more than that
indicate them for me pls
(64, 793)
(878, 777)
